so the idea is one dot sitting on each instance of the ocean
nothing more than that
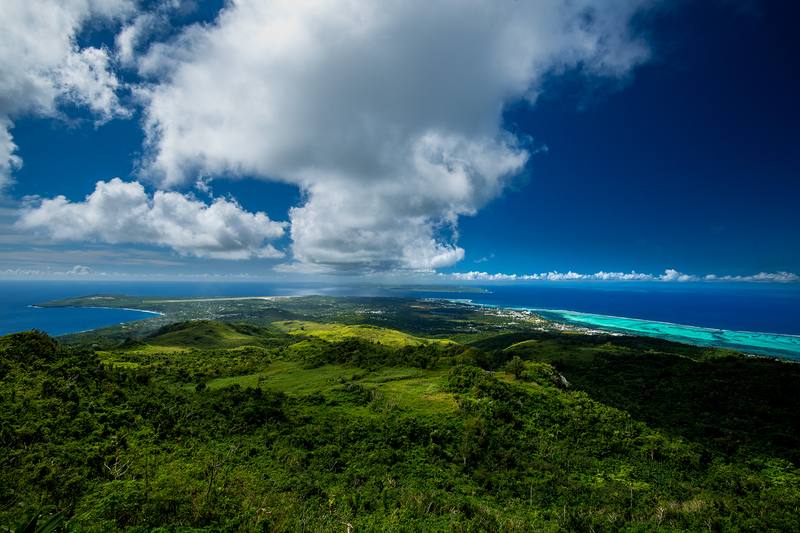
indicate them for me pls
(18, 300)
(762, 318)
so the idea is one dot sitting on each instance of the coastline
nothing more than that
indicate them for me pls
(68, 327)
(790, 352)
(122, 308)
(33, 306)
(779, 345)
(686, 326)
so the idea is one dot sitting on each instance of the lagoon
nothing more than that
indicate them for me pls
(785, 346)
(722, 315)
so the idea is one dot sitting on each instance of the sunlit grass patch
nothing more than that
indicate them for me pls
(202, 334)
(338, 332)
(423, 394)
(123, 364)
(147, 349)
(409, 388)
(290, 377)
(245, 381)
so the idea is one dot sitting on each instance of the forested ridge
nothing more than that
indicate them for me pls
(309, 427)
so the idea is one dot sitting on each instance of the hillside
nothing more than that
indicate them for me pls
(209, 335)
(318, 426)
(337, 332)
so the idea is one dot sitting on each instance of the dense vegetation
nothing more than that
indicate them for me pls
(303, 426)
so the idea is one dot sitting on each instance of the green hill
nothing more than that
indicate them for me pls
(209, 335)
(212, 426)
(338, 332)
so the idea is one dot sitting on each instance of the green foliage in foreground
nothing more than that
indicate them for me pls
(733, 405)
(321, 436)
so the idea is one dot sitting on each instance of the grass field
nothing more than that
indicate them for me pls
(337, 332)
(549, 350)
(148, 349)
(203, 334)
(406, 388)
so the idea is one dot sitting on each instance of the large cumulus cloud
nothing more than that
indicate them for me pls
(388, 115)
(42, 66)
(123, 212)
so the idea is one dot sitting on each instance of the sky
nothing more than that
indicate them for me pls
(602, 140)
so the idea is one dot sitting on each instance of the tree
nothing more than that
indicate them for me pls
(516, 366)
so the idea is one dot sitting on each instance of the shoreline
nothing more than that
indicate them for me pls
(154, 314)
(782, 353)
(467, 301)
(122, 308)
(96, 307)
(220, 299)
(755, 342)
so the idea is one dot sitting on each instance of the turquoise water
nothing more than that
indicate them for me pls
(720, 315)
(787, 346)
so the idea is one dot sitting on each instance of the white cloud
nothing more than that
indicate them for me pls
(483, 276)
(85, 79)
(42, 65)
(122, 212)
(134, 37)
(761, 276)
(669, 275)
(554, 276)
(9, 161)
(131, 35)
(386, 114)
(77, 270)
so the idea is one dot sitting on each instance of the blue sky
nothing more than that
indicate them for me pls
(668, 142)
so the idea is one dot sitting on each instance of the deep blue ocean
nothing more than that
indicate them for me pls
(19, 298)
(769, 308)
